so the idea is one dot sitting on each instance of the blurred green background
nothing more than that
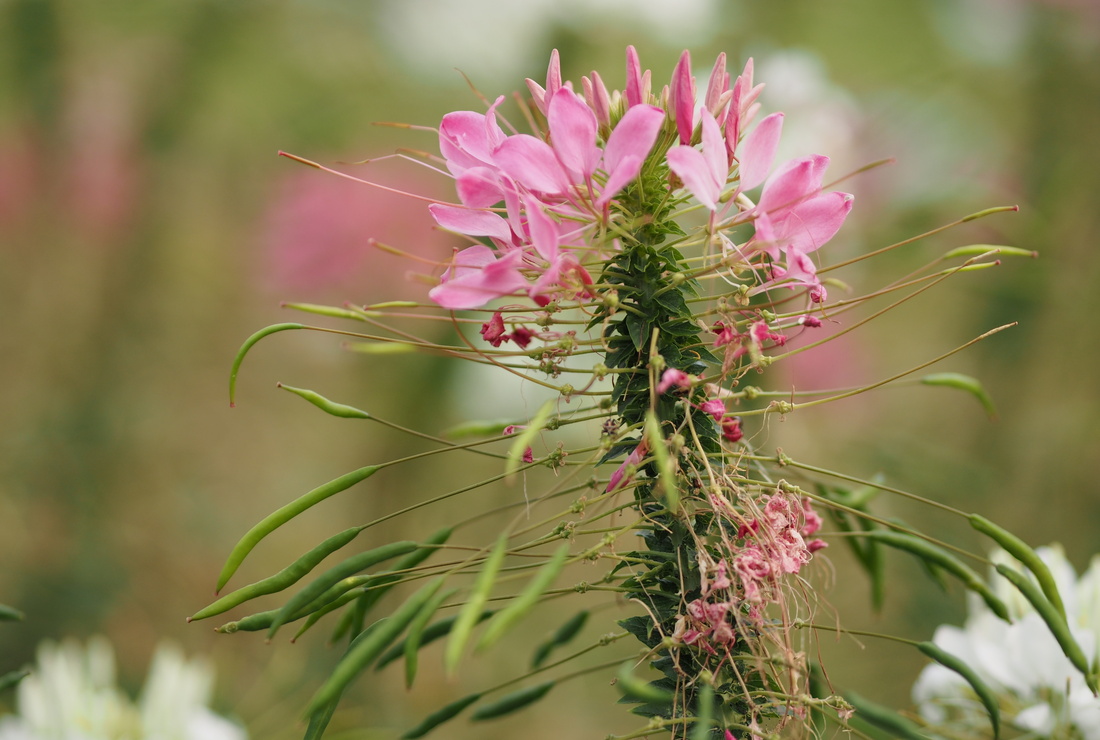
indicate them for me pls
(147, 227)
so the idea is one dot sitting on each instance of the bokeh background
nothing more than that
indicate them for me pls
(147, 227)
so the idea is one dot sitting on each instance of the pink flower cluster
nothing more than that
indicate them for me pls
(541, 201)
(776, 545)
(708, 620)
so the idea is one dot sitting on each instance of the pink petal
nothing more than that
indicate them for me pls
(463, 142)
(814, 222)
(633, 78)
(719, 83)
(619, 178)
(544, 231)
(714, 150)
(573, 134)
(479, 187)
(470, 221)
(792, 183)
(758, 151)
(634, 135)
(682, 92)
(531, 162)
(477, 277)
(692, 168)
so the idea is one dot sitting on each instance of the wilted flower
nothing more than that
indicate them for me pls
(71, 695)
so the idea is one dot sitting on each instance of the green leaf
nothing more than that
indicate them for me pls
(963, 383)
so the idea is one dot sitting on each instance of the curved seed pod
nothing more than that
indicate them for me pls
(468, 617)
(704, 717)
(438, 717)
(319, 721)
(1018, 549)
(513, 702)
(337, 573)
(885, 719)
(333, 311)
(939, 557)
(433, 632)
(248, 344)
(368, 646)
(643, 691)
(8, 614)
(284, 514)
(985, 694)
(564, 634)
(522, 604)
(963, 383)
(1055, 622)
(285, 578)
(411, 644)
(329, 407)
(10, 679)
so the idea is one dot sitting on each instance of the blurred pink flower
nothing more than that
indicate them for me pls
(316, 238)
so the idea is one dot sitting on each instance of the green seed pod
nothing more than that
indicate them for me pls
(639, 690)
(564, 634)
(522, 604)
(985, 694)
(284, 514)
(10, 679)
(368, 646)
(329, 578)
(1056, 623)
(411, 644)
(285, 578)
(939, 557)
(963, 383)
(8, 614)
(704, 716)
(433, 632)
(440, 716)
(468, 617)
(884, 718)
(248, 344)
(329, 407)
(513, 702)
(1018, 549)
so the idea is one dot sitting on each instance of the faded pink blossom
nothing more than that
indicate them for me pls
(623, 474)
(673, 378)
(731, 429)
(493, 331)
(714, 407)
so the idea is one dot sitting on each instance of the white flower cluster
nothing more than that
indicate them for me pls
(71, 695)
(1039, 691)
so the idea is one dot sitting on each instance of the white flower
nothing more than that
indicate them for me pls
(1039, 691)
(71, 695)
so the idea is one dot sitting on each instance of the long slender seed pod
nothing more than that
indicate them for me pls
(561, 636)
(522, 604)
(438, 717)
(329, 407)
(704, 713)
(468, 617)
(13, 677)
(362, 652)
(513, 702)
(248, 344)
(1056, 623)
(8, 614)
(884, 718)
(285, 578)
(985, 694)
(434, 631)
(938, 556)
(284, 514)
(1018, 549)
(411, 644)
(644, 691)
(337, 573)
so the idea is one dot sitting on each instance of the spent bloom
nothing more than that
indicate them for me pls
(1039, 690)
(71, 695)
